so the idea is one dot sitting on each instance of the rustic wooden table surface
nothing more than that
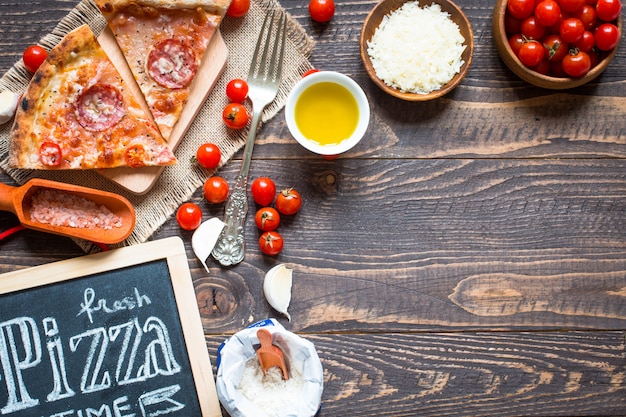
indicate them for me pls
(467, 258)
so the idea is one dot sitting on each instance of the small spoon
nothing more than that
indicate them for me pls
(270, 355)
(18, 201)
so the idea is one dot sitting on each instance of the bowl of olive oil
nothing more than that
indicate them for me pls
(327, 113)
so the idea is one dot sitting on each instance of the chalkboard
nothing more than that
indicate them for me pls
(115, 334)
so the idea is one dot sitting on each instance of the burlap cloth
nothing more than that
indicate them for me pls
(176, 184)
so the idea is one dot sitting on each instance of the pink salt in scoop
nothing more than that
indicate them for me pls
(70, 210)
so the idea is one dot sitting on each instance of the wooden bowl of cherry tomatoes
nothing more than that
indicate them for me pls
(557, 44)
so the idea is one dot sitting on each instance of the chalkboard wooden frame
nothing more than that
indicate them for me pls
(172, 250)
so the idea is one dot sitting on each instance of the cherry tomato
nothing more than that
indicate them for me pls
(608, 10)
(531, 29)
(238, 8)
(531, 53)
(309, 72)
(542, 67)
(515, 42)
(50, 154)
(587, 15)
(237, 90)
(189, 216)
(215, 190)
(271, 243)
(607, 36)
(547, 12)
(572, 30)
(263, 191)
(33, 57)
(520, 9)
(321, 10)
(511, 24)
(209, 155)
(556, 48)
(571, 6)
(586, 42)
(288, 201)
(267, 219)
(576, 64)
(235, 115)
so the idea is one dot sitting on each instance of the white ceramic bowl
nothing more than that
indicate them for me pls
(352, 87)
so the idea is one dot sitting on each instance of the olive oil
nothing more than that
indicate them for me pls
(326, 113)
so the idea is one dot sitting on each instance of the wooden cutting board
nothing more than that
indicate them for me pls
(141, 180)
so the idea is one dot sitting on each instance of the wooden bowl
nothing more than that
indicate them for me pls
(385, 7)
(533, 77)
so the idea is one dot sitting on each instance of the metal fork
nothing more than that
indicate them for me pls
(263, 81)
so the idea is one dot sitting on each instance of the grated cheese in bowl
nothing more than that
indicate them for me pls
(415, 49)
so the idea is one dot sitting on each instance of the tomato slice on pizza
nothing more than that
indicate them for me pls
(163, 42)
(78, 113)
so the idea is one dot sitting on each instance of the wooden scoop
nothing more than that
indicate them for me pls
(19, 200)
(270, 355)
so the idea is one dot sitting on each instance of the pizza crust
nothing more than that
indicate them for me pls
(109, 7)
(23, 139)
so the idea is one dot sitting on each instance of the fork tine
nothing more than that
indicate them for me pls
(265, 45)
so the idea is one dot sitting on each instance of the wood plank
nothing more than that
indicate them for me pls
(470, 374)
(390, 245)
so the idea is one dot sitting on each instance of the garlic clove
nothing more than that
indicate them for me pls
(277, 288)
(8, 105)
(204, 239)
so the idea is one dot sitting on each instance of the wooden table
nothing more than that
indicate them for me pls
(467, 258)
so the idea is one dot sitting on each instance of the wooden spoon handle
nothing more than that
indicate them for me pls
(7, 198)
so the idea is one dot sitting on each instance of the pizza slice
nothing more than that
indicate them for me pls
(78, 113)
(163, 42)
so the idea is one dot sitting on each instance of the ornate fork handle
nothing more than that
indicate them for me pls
(231, 246)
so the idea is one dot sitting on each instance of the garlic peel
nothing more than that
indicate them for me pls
(8, 105)
(277, 288)
(204, 239)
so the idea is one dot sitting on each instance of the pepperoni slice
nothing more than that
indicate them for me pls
(50, 154)
(172, 64)
(100, 107)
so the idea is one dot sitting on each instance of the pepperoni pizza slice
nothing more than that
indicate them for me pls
(78, 113)
(163, 42)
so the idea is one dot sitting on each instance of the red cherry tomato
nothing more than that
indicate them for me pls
(515, 42)
(576, 64)
(321, 10)
(571, 6)
(215, 190)
(237, 90)
(531, 29)
(238, 8)
(267, 219)
(288, 201)
(50, 154)
(309, 72)
(263, 191)
(271, 243)
(586, 42)
(33, 57)
(235, 115)
(531, 53)
(587, 15)
(520, 9)
(608, 10)
(547, 12)
(607, 36)
(556, 48)
(209, 155)
(189, 216)
(571, 30)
